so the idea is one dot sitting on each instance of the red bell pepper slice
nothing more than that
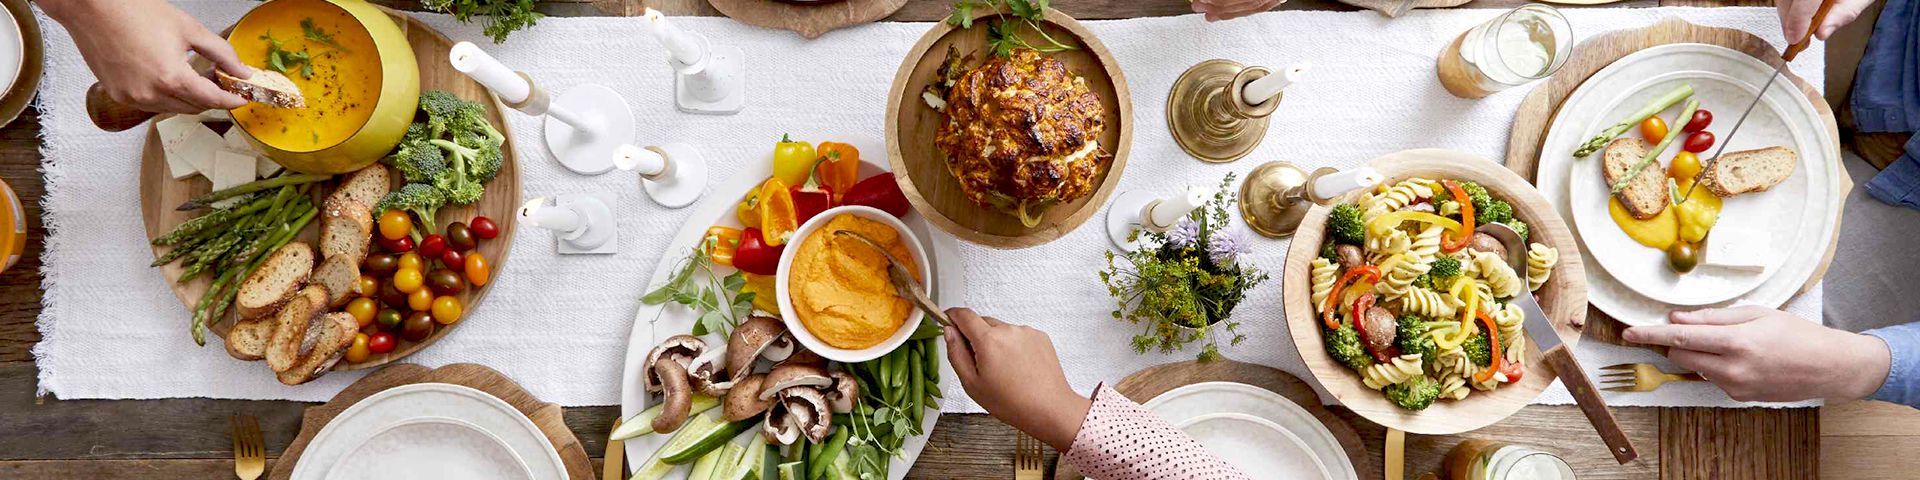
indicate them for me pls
(1448, 243)
(1493, 337)
(881, 192)
(754, 255)
(1339, 289)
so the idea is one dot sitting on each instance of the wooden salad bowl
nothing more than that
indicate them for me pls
(1563, 297)
(160, 193)
(921, 169)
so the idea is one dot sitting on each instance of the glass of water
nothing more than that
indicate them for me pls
(1519, 46)
(1488, 460)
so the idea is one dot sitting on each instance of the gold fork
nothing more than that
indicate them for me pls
(249, 450)
(1028, 458)
(1641, 377)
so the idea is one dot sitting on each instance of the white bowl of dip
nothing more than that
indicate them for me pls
(879, 284)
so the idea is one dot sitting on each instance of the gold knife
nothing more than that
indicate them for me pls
(1792, 51)
(616, 458)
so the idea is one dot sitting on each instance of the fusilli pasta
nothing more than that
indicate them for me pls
(1540, 262)
(1498, 274)
(1422, 301)
(1454, 387)
(1400, 195)
(1398, 370)
(1323, 277)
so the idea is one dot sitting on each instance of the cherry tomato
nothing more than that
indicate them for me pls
(1701, 118)
(380, 264)
(420, 300)
(412, 260)
(380, 342)
(446, 310)
(459, 237)
(388, 319)
(1653, 129)
(392, 297)
(477, 270)
(366, 285)
(395, 245)
(362, 310)
(395, 224)
(484, 228)
(432, 245)
(417, 327)
(445, 282)
(358, 352)
(1685, 166)
(1699, 141)
(453, 258)
(408, 280)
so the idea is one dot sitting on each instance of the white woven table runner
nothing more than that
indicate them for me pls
(559, 325)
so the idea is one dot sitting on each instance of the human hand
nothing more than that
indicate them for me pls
(1218, 10)
(1761, 354)
(1796, 16)
(1014, 373)
(137, 50)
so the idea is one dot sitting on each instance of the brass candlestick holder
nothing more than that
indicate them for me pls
(1275, 196)
(1210, 117)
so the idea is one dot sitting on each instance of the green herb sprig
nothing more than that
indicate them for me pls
(285, 61)
(718, 300)
(1003, 36)
(503, 17)
(1179, 292)
(316, 35)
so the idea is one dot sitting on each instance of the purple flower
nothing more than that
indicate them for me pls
(1184, 234)
(1227, 247)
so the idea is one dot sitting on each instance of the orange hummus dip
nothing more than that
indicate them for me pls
(839, 285)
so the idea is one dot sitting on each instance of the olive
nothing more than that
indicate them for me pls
(1683, 256)
(380, 264)
(392, 297)
(417, 326)
(446, 282)
(459, 236)
(388, 319)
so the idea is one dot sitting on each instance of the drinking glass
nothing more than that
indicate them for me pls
(1522, 45)
(1487, 460)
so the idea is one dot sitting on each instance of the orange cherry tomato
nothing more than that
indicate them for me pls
(412, 260)
(477, 270)
(362, 310)
(358, 352)
(1685, 166)
(366, 285)
(395, 224)
(420, 300)
(446, 310)
(408, 280)
(777, 217)
(1653, 129)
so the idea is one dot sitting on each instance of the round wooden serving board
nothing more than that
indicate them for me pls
(1537, 110)
(1564, 298)
(809, 19)
(159, 193)
(34, 51)
(545, 415)
(1145, 384)
(922, 170)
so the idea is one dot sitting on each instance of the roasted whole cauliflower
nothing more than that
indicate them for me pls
(1022, 133)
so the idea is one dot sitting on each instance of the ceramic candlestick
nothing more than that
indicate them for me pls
(583, 127)
(581, 223)
(708, 79)
(1135, 211)
(674, 175)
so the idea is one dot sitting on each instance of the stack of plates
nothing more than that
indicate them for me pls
(430, 430)
(1255, 429)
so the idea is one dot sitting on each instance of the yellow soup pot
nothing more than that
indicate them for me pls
(355, 68)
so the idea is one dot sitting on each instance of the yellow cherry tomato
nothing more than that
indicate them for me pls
(362, 310)
(358, 352)
(412, 260)
(408, 280)
(367, 285)
(446, 310)
(420, 300)
(1653, 129)
(395, 224)
(478, 272)
(1685, 167)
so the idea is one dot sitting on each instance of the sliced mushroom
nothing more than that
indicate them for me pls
(844, 391)
(779, 428)
(803, 356)
(681, 349)
(789, 376)
(709, 372)
(780, 349)
(749, 341)
(678, 395)
(807, 410)
(743, 402)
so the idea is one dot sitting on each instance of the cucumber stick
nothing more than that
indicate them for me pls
(718, 434)
(717, 464)
(656, 466)
(642, 423)
(793, 471)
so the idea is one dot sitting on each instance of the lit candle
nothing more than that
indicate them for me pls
(476, 63)
(646, 162)
(1339, 183)
(682, 46)
(556, 218)
(1166, 212)
(1264, 88)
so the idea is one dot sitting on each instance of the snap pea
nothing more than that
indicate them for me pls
(823, 456)
(899, 367)
(918, 382)
(932, 357)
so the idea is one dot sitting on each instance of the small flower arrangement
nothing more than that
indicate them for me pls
(1183, 283)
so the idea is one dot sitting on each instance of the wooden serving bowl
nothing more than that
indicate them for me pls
(921, 169)
(1563, 297)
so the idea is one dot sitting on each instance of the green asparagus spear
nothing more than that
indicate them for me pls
(1654, 154)
(1659, 103)
(205, 223)
(250, 187)
(222, 294)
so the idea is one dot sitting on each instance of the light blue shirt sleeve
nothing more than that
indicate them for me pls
(1903, 373)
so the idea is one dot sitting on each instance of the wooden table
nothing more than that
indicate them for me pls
(45, 437)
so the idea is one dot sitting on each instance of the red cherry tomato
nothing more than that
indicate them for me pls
(1698, 142)
(432, 245)
(1701, 118)
(380, 342)
(453, 258)
(484, 228)
(396, 245)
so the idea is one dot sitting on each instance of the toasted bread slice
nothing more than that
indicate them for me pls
(290, 326)
(328, 339)
(1646, 193)
(346, 227)
(366, 185)
(249, 338)
(281, 274)
(339, 274)
(264, 86)
(1750, 171)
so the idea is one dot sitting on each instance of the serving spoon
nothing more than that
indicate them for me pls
(903, 283)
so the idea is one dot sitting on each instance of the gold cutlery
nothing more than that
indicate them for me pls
(903, 281)
(1028, 458)
(249, 449)
(616, 458)
(1641, 377)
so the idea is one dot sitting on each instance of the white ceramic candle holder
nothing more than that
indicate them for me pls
(674, 175)
(1134, 211)
(583, 127)
(708, 79)
(582, 223)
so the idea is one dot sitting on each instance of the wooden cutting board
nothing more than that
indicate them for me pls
(1143, 385)
(808, 18)
(545, 415)
(1536, 113)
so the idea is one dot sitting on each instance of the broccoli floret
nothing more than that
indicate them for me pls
(1518, 227)
(1486, 209)
(1344, 345)
(417, 159)
(1476, 194)
(1412, 336)
(460, 184)
(419, 199)
(1479, 349)
(1327, 252)
(1345, 225)
(1414, 394)
(1445, 267)
(1425, 280)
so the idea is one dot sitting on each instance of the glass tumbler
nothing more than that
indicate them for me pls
(1487, 460)
(1522, 45)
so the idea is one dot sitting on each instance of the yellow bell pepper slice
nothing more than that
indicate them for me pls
(1389, 220)
(1462, 288)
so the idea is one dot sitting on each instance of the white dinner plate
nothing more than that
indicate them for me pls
(362, 422)
(1633, 284)
(1255, 445)
(1201, 399)
(13, 50)
(431, 447)
(653, 323)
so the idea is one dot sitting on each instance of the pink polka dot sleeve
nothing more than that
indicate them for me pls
(1119, 440)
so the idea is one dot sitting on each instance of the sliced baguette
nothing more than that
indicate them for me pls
(346, 227)
(329, 336)
(290, 327)
(339, 274)
(264, 86)
(281, 274)
(1646, 193)
(366, 185)
(249, 339)
(1750, 171)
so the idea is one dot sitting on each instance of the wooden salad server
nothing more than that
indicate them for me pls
(903, 281)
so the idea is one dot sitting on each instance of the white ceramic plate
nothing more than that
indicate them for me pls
(653, 323)
(1200, 399)
(363, 421)
(431, 447)
(1724, 80)
(13, 50)
(1255, 445)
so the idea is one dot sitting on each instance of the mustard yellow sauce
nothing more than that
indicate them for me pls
(1658, 232)
(341, 86)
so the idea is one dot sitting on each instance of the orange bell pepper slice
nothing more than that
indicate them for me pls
(1448, 243)
(1327, 314)
(839, 167)
(726, 241)
(778, 219)
(1493, 336)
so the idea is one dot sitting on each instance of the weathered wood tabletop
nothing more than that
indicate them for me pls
(43, 437)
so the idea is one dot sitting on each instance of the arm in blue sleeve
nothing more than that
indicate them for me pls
(1903, 372)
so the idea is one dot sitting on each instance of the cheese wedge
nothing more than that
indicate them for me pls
(1738, 248)
(188, 145)
(236, 140)
(265, 167)
(230, 169)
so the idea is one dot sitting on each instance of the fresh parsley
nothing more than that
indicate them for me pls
(717, 299)
(1009, 16)
(285, 61)
(502, 16)
(316, 35)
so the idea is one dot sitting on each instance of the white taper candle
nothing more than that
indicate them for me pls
(477, 64)
(1261, 89)
(552, 217)
(646, 162)
(1339, 183)
(682, 46)
(1170, 210)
